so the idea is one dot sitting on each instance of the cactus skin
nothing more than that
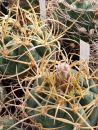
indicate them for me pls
(6, 122)
(10, 66)
(48, 102)
(18, 55)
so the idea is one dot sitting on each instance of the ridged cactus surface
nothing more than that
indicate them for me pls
(64, 105)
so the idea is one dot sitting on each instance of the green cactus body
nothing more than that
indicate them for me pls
(20, 55)
(6, 122)
(89, 96)
(42, 98)
(48, 122)
(44, 39)
(46, 108)
(94, 116)
(17, 56)
(23, 43)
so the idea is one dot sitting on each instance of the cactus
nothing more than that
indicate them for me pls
(6, 122)
(64, 105)
(79, 17)
(61, 96)
(23, 45)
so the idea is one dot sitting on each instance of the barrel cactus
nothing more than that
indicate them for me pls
(72, 104)
(24, 41)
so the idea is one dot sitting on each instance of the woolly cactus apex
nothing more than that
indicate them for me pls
(63, 73)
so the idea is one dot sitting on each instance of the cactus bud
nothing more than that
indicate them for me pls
(63, 73)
